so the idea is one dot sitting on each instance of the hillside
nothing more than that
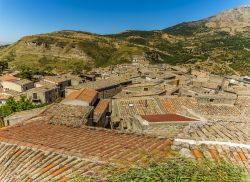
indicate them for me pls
(67, 50)
(219, 44)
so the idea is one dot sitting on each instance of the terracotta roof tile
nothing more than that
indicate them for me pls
(238, 156)
(242, 156)
(43, 152)
(101, 106)
(7, 78)
(84, 94)
(61, 114)
(198, 154)
(87, 142)
(209, 111)
(64, 179)
(214, 154)
(58, 171)
(137, 106)
(47, 168)
(167, 118)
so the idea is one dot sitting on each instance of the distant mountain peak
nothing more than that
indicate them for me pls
(233, 21)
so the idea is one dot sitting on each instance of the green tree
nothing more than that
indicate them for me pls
(26, 73)
(3, 65)
(12, 106)
(44, 60)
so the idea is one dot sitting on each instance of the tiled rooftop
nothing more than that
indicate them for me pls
(60, 114)
(7, 78)
(229, 141)
(101, 107)
(55, 79)
(18, 163)
(88, 143)
(22, 82)
(45, 84)
(5, 94)
(234, 155)
(220, 131)
(101, 84)
(210, 111)
(20, 117)
(138, 106)
(167, 118)
(84, 94)
(41, 89)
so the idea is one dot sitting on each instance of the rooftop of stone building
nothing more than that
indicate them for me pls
(184, 105)
(166, 118)
(244, 101)
(101, 107)
(101, 84)
(220, 140)
(23, 116)
(224, 131)
(56, 79)
(84, 94)
(22, 82)
(43, 83)
(61, 114)
(128, 94)
(41, 89)
(40, 151)
(231, 153)
(8, 78)
(136, 106)
(5, 94)
(32, 164)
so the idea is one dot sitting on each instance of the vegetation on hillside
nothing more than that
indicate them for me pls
(213, 40)
(3, 66)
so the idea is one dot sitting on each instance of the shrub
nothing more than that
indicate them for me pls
(180, 169)
(12, 106)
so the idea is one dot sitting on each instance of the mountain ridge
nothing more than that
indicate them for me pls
(221, 41)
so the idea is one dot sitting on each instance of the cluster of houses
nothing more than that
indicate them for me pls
(118, 111)
(47, 90)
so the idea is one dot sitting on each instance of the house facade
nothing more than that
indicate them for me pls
(18, 85)
(43, 95)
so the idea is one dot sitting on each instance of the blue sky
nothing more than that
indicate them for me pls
(25, 17)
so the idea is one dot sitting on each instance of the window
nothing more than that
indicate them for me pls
(211, 100)
(34, 95)
(145, 89)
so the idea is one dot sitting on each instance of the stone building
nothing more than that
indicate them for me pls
(18, 85)
(60, 81)
(43, 94)
(168, 125)
(82, 97)
(7, 78)
(106, 88)
(101, 114)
